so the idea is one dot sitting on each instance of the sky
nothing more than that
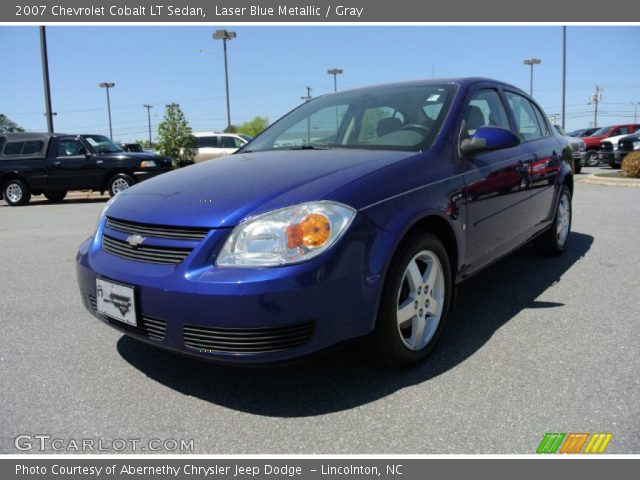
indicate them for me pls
(271, 66)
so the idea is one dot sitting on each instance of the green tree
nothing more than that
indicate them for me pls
(231, 129)
(175, 138)
(254, 127)
(7, 125)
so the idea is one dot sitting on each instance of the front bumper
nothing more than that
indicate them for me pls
(578, 158)
(141, 175)
(240, 315)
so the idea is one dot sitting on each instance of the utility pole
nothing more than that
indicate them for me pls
(149, 107)
(308, 97)
(596, 98)
(564, 73)
(635, 111)
(45, 77)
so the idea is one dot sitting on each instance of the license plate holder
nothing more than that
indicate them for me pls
(116, 301)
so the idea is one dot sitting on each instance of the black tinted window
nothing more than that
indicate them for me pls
(207, 142)
(13, 148)
(32, 148)
(2, 140)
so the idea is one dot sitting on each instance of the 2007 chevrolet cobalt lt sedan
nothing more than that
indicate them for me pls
(355, 215)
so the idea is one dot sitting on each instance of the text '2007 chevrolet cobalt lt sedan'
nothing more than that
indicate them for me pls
(355, 215)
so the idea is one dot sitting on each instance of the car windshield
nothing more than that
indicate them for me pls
(600, 132)
(101, 144)
(404, 117)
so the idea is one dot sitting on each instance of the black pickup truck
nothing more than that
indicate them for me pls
(52, 164)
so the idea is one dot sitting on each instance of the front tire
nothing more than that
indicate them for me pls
(55, 196)
(415, 302)
(554, 241)
(16, 192)
(119, 183)
(591, 159)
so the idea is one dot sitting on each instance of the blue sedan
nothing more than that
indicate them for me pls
(355, 216)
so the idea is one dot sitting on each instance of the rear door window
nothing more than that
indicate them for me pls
(207, 142)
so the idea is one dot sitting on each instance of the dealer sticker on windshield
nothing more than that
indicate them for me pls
(116, 301)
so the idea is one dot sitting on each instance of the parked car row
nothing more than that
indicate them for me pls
(52, 164)
(596, 152)
(614, 149)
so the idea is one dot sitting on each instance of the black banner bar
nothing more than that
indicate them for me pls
(321, 11)
(315, 469)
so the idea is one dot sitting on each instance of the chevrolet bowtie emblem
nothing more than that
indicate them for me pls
(135, 240)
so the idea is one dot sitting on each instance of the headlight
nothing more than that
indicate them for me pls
(147, 164)
(290, 235)
(636, 145)
(103, 213)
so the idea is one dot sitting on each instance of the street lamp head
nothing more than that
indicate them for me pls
(532, 61)
(334, 71)
(223, 35)
(107, 85)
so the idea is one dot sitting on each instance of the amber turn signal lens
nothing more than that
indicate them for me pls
(312, 231)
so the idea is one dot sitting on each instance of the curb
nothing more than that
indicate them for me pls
(610, 181)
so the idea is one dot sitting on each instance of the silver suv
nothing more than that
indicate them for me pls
(212, 145)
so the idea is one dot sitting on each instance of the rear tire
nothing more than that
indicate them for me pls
(119, 183)
(415, 303)
(16, 192)
(554, 241)
(55, 196)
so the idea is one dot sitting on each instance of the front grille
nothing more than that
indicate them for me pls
(149, 327)
(626, 145)
(247, 340)
(160, 231)
(577, 148)
(161, 255)
(606, 146)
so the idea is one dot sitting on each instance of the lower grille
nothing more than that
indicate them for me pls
(162, 255)
(247, 340)
(149, 327)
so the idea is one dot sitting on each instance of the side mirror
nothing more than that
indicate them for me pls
(487, 139)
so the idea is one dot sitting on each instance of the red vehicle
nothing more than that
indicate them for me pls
(592, 142)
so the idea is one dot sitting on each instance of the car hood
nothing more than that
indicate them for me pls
(615, 139)
(224, 191)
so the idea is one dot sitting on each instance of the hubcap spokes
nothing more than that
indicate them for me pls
(119, 185)
(563, 220)
(420, 300)
(14, 193)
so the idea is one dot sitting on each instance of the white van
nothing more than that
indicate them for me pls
(211, 144)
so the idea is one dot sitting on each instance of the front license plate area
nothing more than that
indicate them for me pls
(116, 301)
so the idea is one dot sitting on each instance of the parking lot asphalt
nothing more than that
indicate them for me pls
(535, 345)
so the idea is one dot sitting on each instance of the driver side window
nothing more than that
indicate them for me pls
(69, 148)
(484, 109)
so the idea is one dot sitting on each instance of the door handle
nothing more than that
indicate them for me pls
(57, 163)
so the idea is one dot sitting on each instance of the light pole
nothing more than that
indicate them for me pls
(108, 85)
(635, 111)
(564, 74)
(335, 72)
(149, 107)
(531, 62)
(225, 35)
(308, 96)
